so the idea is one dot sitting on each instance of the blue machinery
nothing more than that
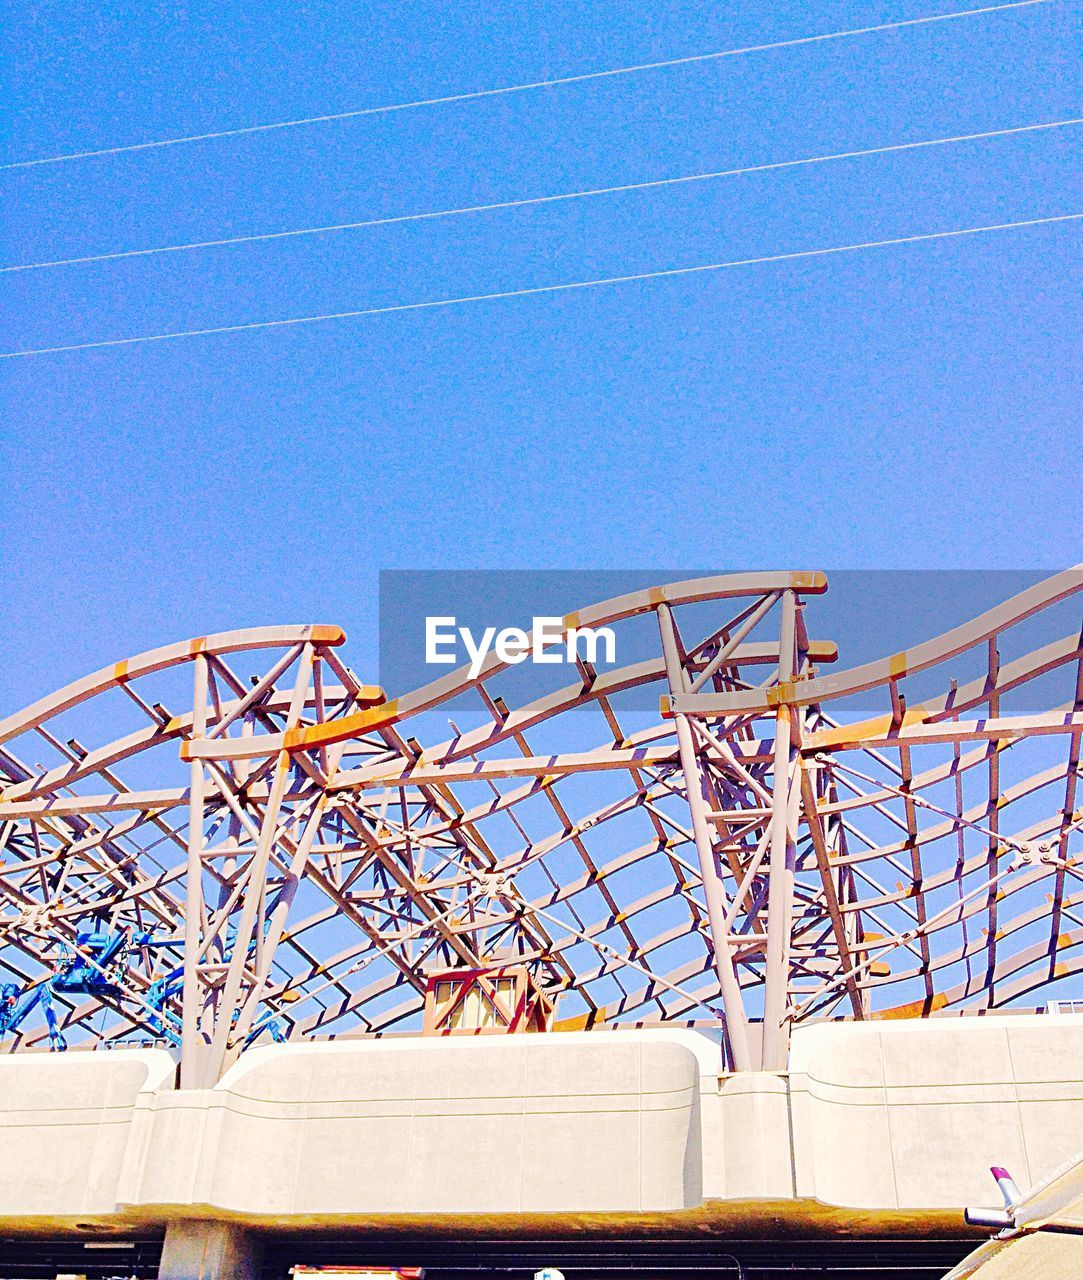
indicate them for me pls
(16, 1002)
(93, 967)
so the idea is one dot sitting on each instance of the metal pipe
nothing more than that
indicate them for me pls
(193, 908)
(781, 870)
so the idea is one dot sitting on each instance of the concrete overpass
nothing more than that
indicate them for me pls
(881, 1131)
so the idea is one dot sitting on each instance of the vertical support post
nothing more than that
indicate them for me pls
(713, 888)
(783, 852)
(207, 1250)
(256, 878)
(193, 904)
(277, 921)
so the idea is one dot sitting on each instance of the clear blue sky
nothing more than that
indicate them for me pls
(916, 406)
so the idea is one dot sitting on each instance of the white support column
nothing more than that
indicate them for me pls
(202, 1250)
(256, 878)
(277, 920)
(193, 907)
(783, 849)
(713, 889)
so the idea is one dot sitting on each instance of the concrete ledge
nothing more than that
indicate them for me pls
(67, 1122)
(877, 1125)
(912, 1114)
(510, 1125)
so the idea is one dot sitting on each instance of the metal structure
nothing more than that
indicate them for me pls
(485, 1001)
(246, 841)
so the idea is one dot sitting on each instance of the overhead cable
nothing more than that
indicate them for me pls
(527, 201)
(475, 94)
(538, 289)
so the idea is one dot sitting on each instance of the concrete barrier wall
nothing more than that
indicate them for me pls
(873, 1118)
(912, 1115)
(494, 1125)
(67, 1124)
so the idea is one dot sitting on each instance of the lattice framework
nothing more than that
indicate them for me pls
(285, 858)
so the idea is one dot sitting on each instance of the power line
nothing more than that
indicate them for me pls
(521, 88)
(538, 200)
(547, 288)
